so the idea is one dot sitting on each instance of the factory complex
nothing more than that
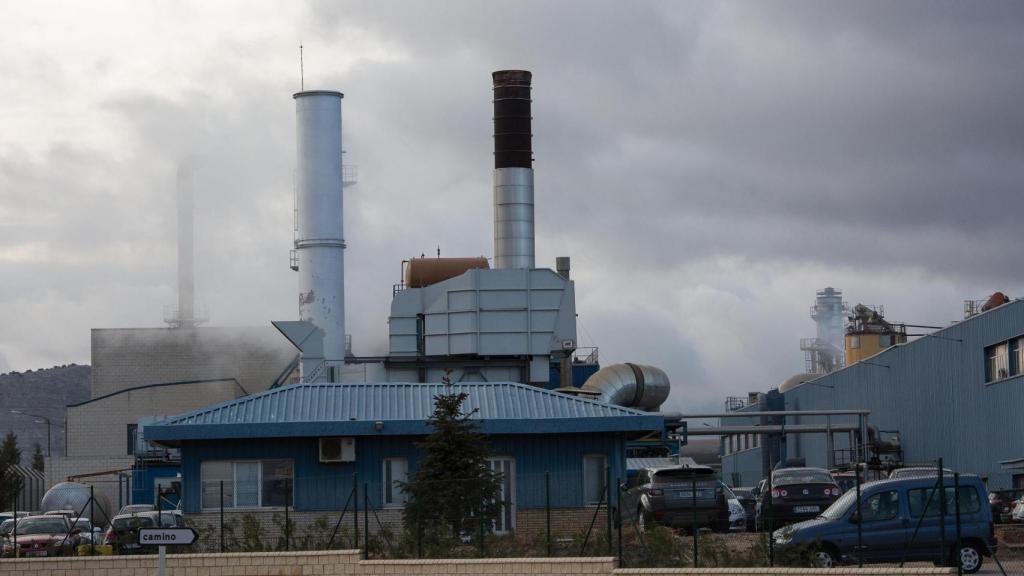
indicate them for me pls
(254, 420)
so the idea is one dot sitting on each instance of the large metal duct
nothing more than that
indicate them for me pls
(630, 385)
(420, 272)
(513, 170)
(320, 243)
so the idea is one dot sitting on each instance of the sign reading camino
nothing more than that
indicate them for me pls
(167, 536)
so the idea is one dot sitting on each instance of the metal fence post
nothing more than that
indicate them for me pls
(92, 517)
(693, 526)
(480, 521)
(942, 517)
(14, 507)
(366, 520)
(222, 516)
(608, 508)
(959, 542)
(766, 519)
(355, 505)
(547, 509)
(860, 518)
(120, 490)
(287, 525)
(618, 517)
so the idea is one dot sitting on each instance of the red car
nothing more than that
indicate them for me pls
(42, 536)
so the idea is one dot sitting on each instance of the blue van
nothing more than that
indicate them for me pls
(891, 510)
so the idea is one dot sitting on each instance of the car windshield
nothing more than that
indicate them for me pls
(7, 526)
(52, 525)
(787, 477)
(839, 507)
(83, 524)
(129, 522)
(681, 474)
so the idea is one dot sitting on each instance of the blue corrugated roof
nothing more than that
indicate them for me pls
(353, 410)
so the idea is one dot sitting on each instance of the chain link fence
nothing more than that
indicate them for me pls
(530, 518)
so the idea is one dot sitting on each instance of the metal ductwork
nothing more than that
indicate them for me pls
(513, 170)
(629, 385)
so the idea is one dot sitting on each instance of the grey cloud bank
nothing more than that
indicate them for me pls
(706, 166)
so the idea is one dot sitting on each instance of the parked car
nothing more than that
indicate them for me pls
(88, 534)
(6, 527)
(737, 515)
(1016, 515)
(918, 472)
(795, 494)
(747, 499)
(123, 531)
(4, 516)
(43, 536)
(891, 511)
(135, 508)
(666, 496)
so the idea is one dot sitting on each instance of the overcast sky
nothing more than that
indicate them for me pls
(707, 166)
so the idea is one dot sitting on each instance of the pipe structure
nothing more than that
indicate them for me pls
(513, 170)
(320, 243)
(630, 385)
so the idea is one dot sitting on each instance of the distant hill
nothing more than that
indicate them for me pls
(45, 392)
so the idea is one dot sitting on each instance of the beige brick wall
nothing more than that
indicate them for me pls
(100, 427)
(565, 522)
(347, 562)
(128, 357)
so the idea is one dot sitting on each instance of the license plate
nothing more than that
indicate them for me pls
(689, 494)
(804, 509)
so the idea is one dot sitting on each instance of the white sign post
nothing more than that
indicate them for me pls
(164, 537)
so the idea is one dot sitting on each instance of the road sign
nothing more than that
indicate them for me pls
(167, 536)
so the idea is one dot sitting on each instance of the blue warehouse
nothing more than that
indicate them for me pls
(954, 394)
(276, 447)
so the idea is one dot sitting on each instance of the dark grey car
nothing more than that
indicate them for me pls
(665, 496)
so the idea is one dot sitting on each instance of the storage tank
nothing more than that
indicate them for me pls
(797, 379)
(629, 385)
(75, 496)
(420, 272)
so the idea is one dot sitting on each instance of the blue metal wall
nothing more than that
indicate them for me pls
(933, 391)
(143, 488)
(327, 486)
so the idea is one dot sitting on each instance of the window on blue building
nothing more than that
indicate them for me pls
(594, 467)
(997, 364)
(396, 470)
(246, 484)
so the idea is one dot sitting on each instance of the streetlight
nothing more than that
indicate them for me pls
(44, 418)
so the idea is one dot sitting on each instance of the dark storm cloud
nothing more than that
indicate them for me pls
(707, 166)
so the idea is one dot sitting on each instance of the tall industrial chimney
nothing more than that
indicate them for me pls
(186, 313)
(319, 241)
(513, 170)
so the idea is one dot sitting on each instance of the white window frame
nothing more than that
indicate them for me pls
(604, 478)
(234, 484)
(385, 488)
(511, 496)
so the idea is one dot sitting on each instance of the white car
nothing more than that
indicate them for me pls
(737, 516)
(1017, 514)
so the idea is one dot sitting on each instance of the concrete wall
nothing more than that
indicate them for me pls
(100, 427)
(128, 357)
(347, 562)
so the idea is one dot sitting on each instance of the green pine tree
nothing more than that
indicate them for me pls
(37, 459)
(453, 487)
(10, 483)
(10, 454)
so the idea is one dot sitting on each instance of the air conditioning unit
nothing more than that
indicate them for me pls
(337, 450)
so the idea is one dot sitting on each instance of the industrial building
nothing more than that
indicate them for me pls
(954, 394)
(538, 438)
(190, 405)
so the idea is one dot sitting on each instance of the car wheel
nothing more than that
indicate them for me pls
(970, 558)
(826, 558)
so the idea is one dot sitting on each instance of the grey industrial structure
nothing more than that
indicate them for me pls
(955, 394)
(503, 334)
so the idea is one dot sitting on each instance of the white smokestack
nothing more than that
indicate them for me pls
(320, 243)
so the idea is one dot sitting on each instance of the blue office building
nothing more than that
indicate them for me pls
(305, 445)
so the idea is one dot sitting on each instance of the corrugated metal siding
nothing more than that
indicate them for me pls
(327, 486)
(742, 469)
(933, 392)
